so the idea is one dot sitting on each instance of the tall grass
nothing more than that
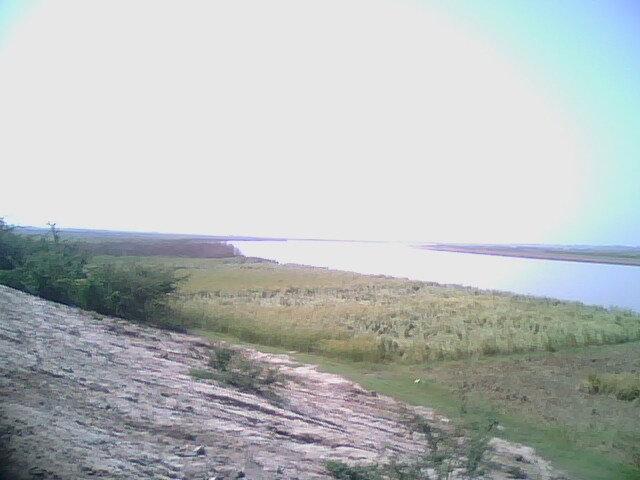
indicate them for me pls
(381, 319)
(625, 386)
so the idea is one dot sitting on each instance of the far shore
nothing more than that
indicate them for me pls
(542, 253)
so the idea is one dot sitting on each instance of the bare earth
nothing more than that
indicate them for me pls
(88, 397)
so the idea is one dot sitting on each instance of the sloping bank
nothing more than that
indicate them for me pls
(84, 396)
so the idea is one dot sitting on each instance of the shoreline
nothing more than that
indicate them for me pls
(542, 255)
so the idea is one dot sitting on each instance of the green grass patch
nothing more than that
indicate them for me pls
(202, 374)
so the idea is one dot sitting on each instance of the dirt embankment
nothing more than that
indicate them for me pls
(89, 397)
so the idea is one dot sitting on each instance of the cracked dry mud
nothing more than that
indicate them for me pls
(89, 397)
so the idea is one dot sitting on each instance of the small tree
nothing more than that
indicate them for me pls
(13, 248)
(55, 233)
(54, 273)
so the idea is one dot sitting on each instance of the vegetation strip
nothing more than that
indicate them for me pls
(606, 255)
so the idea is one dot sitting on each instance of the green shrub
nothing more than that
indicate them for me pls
(625, 386)
(342, 471)
(202, 374)
(53, 273)
(12, 247)
(50, 270)
(220, 358)
(234, 368)
(133, 291)
(57, 271)
(247, 375)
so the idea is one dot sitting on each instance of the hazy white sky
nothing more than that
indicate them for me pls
(330, 118)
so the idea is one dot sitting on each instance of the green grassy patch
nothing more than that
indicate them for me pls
(202, 374)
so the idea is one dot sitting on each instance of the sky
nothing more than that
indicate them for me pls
(496, 121)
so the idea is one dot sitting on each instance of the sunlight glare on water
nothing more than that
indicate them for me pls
(596, 284)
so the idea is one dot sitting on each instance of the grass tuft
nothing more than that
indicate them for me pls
(625, 386)
(234, 368)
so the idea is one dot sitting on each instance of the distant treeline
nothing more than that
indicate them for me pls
(167, 248)
(58, 270)
(92, 235)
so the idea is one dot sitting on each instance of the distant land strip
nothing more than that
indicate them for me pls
(606, 255)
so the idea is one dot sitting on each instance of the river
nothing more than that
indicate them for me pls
(589, 283)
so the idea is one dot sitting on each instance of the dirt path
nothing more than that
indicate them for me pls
(88, 397)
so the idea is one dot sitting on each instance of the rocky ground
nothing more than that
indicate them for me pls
(82, 396)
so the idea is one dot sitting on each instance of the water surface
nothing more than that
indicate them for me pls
(596, 284)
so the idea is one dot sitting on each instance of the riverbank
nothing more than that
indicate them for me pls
(84, 395)
(477, 354)
(607, 255)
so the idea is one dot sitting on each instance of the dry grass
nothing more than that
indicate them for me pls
(376, 318)
(549, 389)
(625, 386)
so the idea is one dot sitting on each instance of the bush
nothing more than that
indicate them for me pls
(202, 374)
(134, 291)
(12, 247)
(57, 271)
(220, 358)
(236, 369)
(49, 269)
(53, 273)
(342, 471)
(625, 386)
(42, 267)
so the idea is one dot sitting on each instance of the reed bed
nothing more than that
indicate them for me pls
(374, 318)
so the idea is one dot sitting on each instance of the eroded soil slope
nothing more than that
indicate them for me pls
(85, 397)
